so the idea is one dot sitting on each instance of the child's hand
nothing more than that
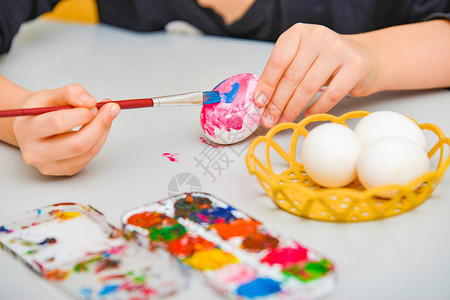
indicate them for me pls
(305, 58)
(48, 141)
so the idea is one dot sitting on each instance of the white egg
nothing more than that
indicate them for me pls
(389, 123)
(391, 160)
(330, 153)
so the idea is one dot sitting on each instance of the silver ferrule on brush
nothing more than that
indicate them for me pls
(194, 98)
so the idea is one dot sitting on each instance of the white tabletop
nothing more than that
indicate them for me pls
(403, 257)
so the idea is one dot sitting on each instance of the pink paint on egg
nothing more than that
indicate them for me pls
(236, 117)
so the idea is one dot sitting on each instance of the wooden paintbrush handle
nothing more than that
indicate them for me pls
(124, 104)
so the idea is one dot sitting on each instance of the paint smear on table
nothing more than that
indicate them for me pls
(173, 157)
(204, 141)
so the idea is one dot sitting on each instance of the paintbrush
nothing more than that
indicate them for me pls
(193, 98)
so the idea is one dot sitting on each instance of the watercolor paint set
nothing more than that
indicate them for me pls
(236, 254)
(159, 246)
(75, 248)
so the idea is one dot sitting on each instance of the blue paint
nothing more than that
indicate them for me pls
(213, 215)
(258, 288)
(219, 84)
(108, 289)
(3, 229)
(86, 293)
(48, 241)
(39, 211)
(231, 95)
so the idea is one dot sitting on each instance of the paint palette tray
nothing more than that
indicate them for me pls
(237, 255)
(74, 247)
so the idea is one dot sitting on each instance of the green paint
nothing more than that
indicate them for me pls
(83, 266)
(168, 233)
(310, 270)
(140, 279)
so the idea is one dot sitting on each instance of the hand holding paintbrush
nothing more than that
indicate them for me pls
(194, 98)
(48, 141)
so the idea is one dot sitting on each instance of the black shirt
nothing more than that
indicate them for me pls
(265, 20)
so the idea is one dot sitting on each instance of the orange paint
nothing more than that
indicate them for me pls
(56, 275)
(187, 245)
(213, 259)
(238, 227)
(150, 219)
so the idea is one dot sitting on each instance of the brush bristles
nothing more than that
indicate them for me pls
(211, 97)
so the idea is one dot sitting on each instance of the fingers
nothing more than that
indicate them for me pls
(306, 58)
(338, 88)
(66, 152)
(313, 81)
(290, 91)
(73, 165)
(59, 122)
(284, 51)
(73, 94)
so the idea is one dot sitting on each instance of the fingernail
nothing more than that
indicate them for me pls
(267, 120)
(261, 99)
(282, 120)
(94, 111)
(115, 109)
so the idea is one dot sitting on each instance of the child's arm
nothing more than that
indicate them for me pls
(48, 141)
(307, 57)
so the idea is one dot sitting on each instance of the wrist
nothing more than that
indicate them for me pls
(375, 79)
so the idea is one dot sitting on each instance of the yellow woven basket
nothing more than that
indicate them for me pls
(292, 190)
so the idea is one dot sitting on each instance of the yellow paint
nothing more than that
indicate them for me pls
(212, 259)
(84, 11)
(67, 215)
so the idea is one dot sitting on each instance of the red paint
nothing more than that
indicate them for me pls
(238, 227)
(209, 144)
(286, 256)
(187, 245)
(171, 156)
(112, 277)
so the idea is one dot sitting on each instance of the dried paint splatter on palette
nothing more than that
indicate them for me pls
(237, 255)
(74, 247)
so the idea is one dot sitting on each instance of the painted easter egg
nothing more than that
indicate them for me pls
(236, 116)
